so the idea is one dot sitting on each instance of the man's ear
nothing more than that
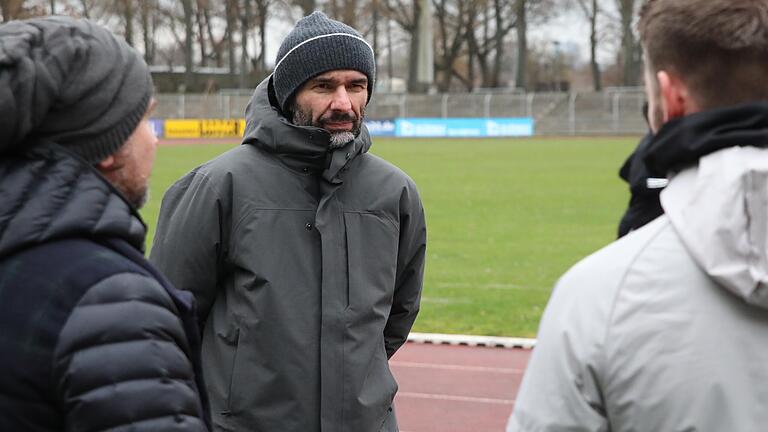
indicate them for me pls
(107, 164)
(676, 100)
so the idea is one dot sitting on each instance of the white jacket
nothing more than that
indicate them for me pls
(667, 328)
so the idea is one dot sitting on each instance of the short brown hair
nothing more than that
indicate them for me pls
(719, 48)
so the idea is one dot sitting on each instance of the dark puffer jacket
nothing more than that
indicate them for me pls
(92, 337)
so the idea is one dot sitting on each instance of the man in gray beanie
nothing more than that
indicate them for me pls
(304, 251)
(92, 336)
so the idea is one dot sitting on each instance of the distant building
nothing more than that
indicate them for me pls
(204, 79)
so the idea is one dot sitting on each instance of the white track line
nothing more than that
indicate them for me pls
(456, 398)
(471, 340)
(457, 367)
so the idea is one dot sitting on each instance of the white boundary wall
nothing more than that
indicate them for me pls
(471, 340)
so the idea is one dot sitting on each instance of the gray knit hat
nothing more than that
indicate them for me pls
(71, 82)
(317, 45)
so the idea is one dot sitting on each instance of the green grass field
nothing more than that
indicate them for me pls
(505, 219)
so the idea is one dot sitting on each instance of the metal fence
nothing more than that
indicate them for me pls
(611, 112)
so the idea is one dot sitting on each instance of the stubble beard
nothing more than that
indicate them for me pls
(338, 139)
(136, 192)
(141, 199)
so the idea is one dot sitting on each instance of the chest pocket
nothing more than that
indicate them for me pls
(372, 244)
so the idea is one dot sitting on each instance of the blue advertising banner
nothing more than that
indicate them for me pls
(158, 126)
(381, 127)
(464, 127)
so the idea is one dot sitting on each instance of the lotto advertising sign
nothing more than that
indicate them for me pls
(222, 128)
(182, 129)
(464, 127)
(205, 128)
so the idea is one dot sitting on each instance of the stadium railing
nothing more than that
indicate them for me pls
(615, 111)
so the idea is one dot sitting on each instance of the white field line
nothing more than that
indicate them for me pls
(456, 398)
(457, 367)
(471, 340)
(502, 286)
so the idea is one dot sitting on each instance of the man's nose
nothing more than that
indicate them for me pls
(341, 101)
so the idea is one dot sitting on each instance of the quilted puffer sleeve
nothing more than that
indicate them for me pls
(122, 361)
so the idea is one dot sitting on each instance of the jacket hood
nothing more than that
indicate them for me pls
(719, 206)
(682, 141)
(269, 130)
(49, 194)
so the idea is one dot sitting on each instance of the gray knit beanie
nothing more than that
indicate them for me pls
(71, 82)
(317, 45)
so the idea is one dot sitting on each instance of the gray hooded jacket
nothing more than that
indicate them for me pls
(307, 267)
(667, 328)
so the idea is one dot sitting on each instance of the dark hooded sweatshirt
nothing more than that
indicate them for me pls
(91, 336)
(644, 205)
(307, 266)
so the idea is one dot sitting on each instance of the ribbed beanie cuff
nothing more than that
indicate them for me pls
(317, 45)
(97, 148)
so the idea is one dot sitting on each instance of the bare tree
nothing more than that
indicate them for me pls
(217, 46)
(521, 80)
(21, 9)
(390, 51)
(231, 13)
(169, 20)
(11, 9)
(486, 42)
(262, 14)
(629, 55)
(591, 10)
(86, 8)
(126, 8)
(453, 25)
(349, 13)
(189, 34)
(375, 24)
(546, 65)
(245, 26)
(407, 16)
(148, 12)
(504, 23)
(201, 5)
(472, 38)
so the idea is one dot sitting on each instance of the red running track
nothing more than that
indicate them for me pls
(446, 388)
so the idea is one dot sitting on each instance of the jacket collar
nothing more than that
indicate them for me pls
(683, 141)
(299, 147)
(49, 193)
